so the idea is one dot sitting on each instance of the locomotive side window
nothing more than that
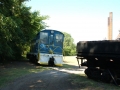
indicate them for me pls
(59, 39)
(44, 37)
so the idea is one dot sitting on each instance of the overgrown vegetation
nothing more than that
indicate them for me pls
(18, 26)
(69, 46)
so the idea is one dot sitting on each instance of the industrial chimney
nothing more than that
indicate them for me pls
(110, 22)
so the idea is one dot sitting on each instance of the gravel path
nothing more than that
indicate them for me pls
(47, 80)
(54, 79)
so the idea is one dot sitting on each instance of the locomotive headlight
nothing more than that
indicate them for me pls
(52, 31)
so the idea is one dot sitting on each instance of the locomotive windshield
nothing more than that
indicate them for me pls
(44, 37)
(51, 41)
(59, 39)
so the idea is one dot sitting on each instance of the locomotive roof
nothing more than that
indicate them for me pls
(51, 30)
(47, 30)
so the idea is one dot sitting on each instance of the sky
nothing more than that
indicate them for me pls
(84, 20)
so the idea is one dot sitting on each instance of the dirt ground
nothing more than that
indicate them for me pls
(54, 79)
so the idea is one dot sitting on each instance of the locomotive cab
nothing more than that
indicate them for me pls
(48, 44)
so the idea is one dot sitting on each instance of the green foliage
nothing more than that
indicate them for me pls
(69, 46)
(18, 26)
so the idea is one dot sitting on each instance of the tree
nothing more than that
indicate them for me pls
(18, 26)
(69, 46)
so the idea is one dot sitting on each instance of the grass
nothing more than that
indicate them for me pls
(82, 82)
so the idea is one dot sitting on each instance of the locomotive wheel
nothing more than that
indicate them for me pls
(36, 62)
(30, 60)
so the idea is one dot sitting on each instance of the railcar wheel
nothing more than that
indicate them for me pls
(96, 74)
(106, 77)
(88, 72)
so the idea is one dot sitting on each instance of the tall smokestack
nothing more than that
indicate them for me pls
(110, 22)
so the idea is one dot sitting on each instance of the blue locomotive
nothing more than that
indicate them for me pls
(47, 48)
